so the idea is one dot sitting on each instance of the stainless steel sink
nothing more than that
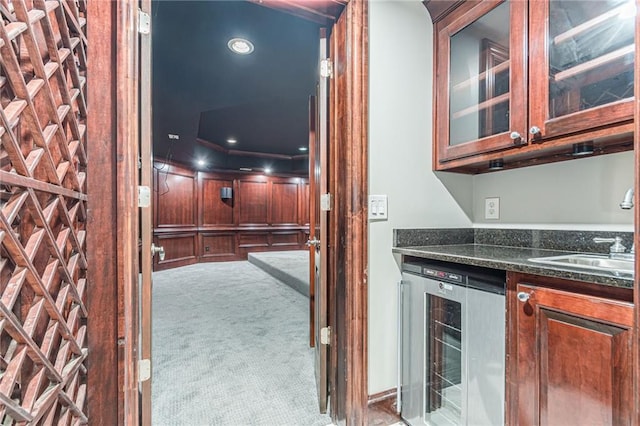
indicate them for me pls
(589, 261)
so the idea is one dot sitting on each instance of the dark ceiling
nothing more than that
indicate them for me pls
(203, 91)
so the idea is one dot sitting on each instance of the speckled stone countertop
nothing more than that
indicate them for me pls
(507, 258)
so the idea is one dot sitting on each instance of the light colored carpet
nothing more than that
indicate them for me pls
(291, 267)
(230, 347)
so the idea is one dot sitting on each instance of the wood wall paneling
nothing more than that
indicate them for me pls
(215, 210)
(304, 204)
(286, 239)
(176, 199)
(284, 203)
(219, 245)
(253, 202)
(253, 240)
(180, 249)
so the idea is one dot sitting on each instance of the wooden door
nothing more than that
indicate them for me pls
(574, 358)
(319, 237)
(44, 202)
(146, 221)
(581, 67)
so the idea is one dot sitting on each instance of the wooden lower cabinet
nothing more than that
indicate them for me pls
(573, 357)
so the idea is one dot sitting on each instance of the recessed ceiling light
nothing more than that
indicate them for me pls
(201, 162)
(241, 46)
(267, 170)
(302, 148)
(232, 140)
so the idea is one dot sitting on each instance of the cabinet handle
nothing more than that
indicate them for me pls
(536, 134)
(523, 297)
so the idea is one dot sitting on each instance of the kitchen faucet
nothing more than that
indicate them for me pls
(626, 204)
(627, 201)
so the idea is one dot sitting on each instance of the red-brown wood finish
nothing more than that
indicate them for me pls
(216, 210)
(253, 202)
(539, 114)
(438, 9)
(323, 12)
(608, 127)
(176, 198)
(197, 225)
(571, 358)
(382, 409)
(636, 198)
(103, 392)
(348, 220)
(445, 29)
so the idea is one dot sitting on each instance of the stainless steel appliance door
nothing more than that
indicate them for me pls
(433, 358)
(485, 335)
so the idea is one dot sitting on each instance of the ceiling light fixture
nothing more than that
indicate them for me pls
(201, 163)
(241, 46)
(302, 148)
(267, 170)
(232, 140)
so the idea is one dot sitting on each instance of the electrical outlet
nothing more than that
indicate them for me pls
(492, 208)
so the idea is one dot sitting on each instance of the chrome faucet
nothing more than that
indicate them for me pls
(626, 204)
(627, 201)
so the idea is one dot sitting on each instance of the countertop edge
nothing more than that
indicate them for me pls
(510, 265)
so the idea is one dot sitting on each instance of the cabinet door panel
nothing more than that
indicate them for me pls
(484, 97)
(586, 75)
(574, 359)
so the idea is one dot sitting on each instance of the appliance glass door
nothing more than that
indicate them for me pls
(444, 362)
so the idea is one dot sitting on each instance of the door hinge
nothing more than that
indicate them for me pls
(144, 196)
(325, 335)
(144, 22)
(144, 370)
(326, 202)
(326, 68)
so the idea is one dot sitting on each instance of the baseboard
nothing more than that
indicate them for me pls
(382, 408)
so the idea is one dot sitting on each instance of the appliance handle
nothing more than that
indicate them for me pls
(399, 340)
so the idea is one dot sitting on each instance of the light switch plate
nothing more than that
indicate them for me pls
(492, 208)
(378, 207)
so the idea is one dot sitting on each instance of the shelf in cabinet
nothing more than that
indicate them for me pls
(482, 105)
(595, 63)
(588, 25)
(503, 66)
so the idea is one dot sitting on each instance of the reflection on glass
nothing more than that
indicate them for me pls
(591, 54)
(443, 393)
(479, 80)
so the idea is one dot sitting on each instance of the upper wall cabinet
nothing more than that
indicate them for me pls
(520, 83)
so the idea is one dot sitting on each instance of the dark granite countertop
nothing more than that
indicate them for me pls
(513, 259)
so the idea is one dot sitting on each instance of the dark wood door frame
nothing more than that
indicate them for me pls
(113, 138)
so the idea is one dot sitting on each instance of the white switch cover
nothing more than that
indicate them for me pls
(492, 208)
(377, 207)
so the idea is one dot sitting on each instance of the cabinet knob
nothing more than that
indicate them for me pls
(536, 134)
(516, 137)
(523, 296)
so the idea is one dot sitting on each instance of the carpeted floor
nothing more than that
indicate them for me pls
(230, 347)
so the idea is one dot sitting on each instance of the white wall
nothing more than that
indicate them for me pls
(400, 125)
(576, 194)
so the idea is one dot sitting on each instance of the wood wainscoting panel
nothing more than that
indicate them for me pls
(180, 249)
(284, 203)
(253, 240)
(286, 239)
(215, 210)
(253, 202)
(382, 408)
(176, 199)
(304, 203)
(218, 246)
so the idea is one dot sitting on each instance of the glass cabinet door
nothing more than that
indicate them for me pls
(582, 64)
(484, 99)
